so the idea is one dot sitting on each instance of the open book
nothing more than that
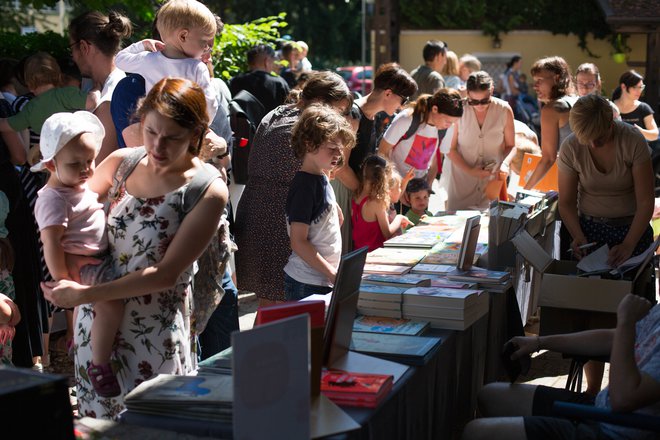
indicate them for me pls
(596, 262)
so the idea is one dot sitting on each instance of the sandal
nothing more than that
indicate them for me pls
(103, 380)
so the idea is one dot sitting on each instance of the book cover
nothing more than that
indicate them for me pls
(355, 389)
(444, 282)
(272, 380)
(440, 297)
(219, 363)
(409, 280)
(417, 238)
(381, 292)
(175, 390)
(549, 182)
(411, 350)
(479, 275)
(434, 269)
(387, 269)
(396, 256)
(469, 243)
(381, 324)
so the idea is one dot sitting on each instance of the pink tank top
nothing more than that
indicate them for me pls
(365, 233)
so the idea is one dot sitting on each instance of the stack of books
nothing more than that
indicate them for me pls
(453, 309)
(493, 280)
(219, 363)
(396, 256)
(425, 238)
(386, 269)
(390, 326)
(447, 253)
(380, 300)
(355, 389)
(205, 398)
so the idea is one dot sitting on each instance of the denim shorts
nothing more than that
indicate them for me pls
(295, 290)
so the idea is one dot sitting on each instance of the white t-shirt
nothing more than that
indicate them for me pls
(154, 66)
(415, 152)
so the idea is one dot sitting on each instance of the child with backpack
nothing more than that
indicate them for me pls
(411, 140)
(72, 221)
(313, 217)
(370, 206)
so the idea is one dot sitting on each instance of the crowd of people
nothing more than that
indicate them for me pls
(136, 185)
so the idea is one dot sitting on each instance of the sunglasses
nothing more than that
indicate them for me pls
(404, 99)
(473, 102)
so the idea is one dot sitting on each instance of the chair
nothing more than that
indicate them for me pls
(577, 411)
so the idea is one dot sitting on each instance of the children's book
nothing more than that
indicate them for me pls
(396, 256)
(219, 363)
(381, 324)
(386, 269)
(406, 349)
(355, 389)
(417, 238)
(479, 275)
(379, 292)
(410, 280)
(440, 297)
(434, 269)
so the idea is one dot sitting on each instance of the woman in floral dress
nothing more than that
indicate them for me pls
(154, 244)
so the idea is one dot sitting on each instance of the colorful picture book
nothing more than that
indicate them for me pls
(405, 349)
(386, 269)
(417, 238)
(434, 269)
(380, 292)
(355, 389)
(409, 280)
(381, 324)
(396, 256)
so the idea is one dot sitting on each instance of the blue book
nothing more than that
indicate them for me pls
(405, 349)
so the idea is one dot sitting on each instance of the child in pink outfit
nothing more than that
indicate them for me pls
(72, 221)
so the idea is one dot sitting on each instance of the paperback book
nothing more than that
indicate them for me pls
(355, 389)
(433, 269)
(405, 349)
(219, 363)
(409, 280)
(386, 269)
(441, 297)
(381, 324)
(479, 275)
(396, 256)
(417, 238)
(379, 292)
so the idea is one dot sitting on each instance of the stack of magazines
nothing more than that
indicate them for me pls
(207, 398)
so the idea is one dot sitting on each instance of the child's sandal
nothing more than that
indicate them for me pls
(103, 380)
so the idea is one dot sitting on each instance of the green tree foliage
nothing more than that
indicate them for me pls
(501, 16)
(229, 54)
(17, 46)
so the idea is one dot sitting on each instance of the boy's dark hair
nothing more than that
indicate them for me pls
(258, 52)
(317, 124)
(418, 184)
(392, 76)
(432, 48)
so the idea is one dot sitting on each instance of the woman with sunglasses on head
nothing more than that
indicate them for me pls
(633, 111)
(415, 151)
(392, 87)
(554, 88)
(485, 136)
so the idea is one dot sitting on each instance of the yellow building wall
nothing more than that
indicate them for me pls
(531, 45)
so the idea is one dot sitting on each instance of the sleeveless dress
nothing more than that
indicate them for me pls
(260, 227)
(365, 233)
(154, 336)
(478, 146)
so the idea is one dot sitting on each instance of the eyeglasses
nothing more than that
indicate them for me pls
(588, 86)
(72, 45)
(474, 102)
(641, 87)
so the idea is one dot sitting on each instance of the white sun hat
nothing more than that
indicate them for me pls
(60, 128)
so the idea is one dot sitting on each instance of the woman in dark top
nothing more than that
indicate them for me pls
(633, 111)
(27, 343)
(260, 228)
(392, 88)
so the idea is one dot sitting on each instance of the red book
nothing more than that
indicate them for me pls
(355, 389)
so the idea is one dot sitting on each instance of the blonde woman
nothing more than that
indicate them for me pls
(450, 71)
(485, 136)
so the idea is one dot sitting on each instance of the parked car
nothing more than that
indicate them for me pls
(355, 76)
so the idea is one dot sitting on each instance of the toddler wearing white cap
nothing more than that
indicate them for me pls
(72, 221)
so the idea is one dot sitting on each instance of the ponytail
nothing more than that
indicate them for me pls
(616, 94)
(448, 101)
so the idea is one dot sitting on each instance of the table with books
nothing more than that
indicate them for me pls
(415, 276)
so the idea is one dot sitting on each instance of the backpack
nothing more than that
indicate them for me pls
(207, 281)
(382, 122)
(245, 114)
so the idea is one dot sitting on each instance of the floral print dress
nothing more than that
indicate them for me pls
(155, 335)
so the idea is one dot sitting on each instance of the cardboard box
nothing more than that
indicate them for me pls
(561, 288)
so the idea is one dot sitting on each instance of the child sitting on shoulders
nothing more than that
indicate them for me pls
(320, 138)
(187, 29)
(9, 314)
(369, 207)
(418, 192)
(44, 79)
(72, 221)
